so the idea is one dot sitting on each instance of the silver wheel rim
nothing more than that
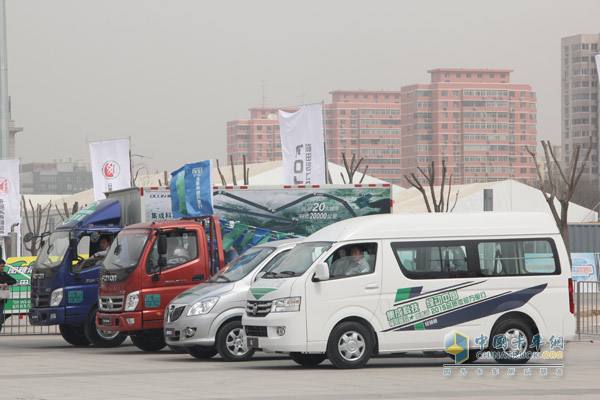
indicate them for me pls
(236, 342)
(351, 346)
(107, 335)
(516, 343)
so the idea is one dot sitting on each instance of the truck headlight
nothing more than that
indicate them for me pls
(56, 297)
(286, 304)
(203, 306)
(132, 300)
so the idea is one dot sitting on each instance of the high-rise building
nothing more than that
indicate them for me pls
(579, 100)
(476, 120)
(364, 123)
(57, 177)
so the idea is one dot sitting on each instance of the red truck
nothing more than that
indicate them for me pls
(148, 265)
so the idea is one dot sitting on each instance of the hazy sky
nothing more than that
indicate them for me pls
(170, 73)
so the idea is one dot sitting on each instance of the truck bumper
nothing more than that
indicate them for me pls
(47, 316)
(121, 322)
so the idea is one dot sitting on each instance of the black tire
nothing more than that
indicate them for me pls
(149, 340)
(74, 335)
(231, 342)
(359, 345)
(98, 338)
(202, 353)
(514, 327)
(308, 360)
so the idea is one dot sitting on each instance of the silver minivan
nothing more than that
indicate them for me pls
(207, 319)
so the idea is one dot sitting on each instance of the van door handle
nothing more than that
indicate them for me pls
(372, 286)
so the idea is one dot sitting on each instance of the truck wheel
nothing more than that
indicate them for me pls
(202, 352)
(73, 335)
(308, 360)
(350, 345)
(101, 338)
(231, 342)
(517, 338)
(149, 340)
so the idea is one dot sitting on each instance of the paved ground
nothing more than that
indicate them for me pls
(44, 367)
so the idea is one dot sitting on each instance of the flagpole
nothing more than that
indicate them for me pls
(324, 140)
(131, 180)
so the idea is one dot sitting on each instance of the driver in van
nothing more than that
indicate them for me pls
(353, 264)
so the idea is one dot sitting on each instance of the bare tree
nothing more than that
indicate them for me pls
(440, 201)
(351, 168)
(34, 220)
(67, 212)
(560, 185)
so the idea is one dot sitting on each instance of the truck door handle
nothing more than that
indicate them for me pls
(372, 286)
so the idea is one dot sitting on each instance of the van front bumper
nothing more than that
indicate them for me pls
(190, 331)
(277, 332)
(120, 322)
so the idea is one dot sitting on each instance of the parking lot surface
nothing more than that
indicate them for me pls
(45, 367)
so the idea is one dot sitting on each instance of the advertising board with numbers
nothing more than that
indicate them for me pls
(20, 269)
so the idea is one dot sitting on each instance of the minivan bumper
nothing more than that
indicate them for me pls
(177, 333)
(262, 332)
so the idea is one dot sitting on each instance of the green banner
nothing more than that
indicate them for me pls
(20, 269)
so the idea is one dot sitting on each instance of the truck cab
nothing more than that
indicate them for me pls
(147, 266)
(64, 279)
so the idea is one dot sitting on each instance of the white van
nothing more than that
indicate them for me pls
(396, 283)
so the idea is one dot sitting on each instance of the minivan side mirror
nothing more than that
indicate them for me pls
(321, 272)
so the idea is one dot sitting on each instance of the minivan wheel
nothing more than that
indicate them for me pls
(231, 342)
(308, 360)
(517, 338)
(350, 345)
(202, 352)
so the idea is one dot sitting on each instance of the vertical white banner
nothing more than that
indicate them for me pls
(302, 145)
(10, 195)
(110, 166)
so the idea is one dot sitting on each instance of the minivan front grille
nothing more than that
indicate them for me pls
(174, 313)
(110, 303)
(258, 331)
(258, 308)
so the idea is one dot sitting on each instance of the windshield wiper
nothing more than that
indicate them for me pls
(226, 279)
(289, 273)
(269, 274)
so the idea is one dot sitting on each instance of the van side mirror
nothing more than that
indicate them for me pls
(162, 245)
(321, 272)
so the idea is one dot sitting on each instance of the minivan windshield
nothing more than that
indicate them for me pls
(126, 249)
(298, 260)
(54, 250)
(242, 265)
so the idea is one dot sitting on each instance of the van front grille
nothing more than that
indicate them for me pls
(258, 308)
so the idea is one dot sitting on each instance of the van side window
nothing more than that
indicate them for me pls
(182, 247)
(352, 260)
(517, 257)
(432, 261)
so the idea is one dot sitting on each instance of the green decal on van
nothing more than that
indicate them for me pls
(75, 297)
(152, 300)
(260, 292)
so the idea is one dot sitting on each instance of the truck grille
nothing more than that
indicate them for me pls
(258, 308)
(40, 300)
(260, 331)
(110, 303)
(174, 313)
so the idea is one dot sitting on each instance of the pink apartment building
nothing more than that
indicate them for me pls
(476, 119)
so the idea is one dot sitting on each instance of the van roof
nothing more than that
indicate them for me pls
(431, 225)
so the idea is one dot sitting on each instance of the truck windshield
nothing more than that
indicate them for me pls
(126, 249)
(242, 265)
(298, 260)
(53, 252)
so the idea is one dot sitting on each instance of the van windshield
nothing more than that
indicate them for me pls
(298, 260)
(242, 265)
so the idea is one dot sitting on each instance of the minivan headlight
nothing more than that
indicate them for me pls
(203, 306)
(286, 304)
(132, 300)
(56, 297)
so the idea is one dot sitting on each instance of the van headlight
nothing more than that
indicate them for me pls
(203, 306)
(132, 300)
(286, 304)
(56, 297)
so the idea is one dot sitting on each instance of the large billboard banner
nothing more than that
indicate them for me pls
(299, 210)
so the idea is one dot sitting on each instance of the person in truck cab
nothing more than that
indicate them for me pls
(103, 246)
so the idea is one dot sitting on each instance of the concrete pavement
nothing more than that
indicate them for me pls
(45, 367)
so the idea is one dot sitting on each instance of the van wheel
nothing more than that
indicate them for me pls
(516, 337)
(350, 345)
(100, 338)
(202, 352)
(74, 335)
(308, 360)
(149, 340)
(231, 342)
